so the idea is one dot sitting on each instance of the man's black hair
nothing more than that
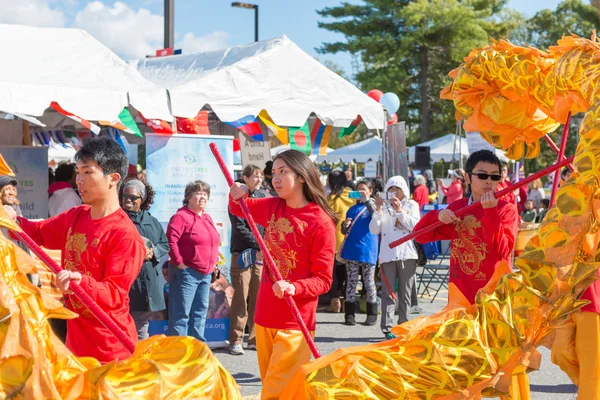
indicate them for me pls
(565, 172)
(485, 156)
(64, 172)
(107, 154)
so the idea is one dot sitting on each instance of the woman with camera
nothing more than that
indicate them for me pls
(395, 217)
(359, 251)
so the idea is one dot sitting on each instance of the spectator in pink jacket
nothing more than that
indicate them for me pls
(421, 192)
(455, 190)
(194, 250)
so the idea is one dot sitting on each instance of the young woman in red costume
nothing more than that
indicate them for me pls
(300, 234)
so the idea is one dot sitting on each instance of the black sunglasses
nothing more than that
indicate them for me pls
(131, 197)
(484, 177)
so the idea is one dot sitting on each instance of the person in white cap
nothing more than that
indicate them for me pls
(456, 188)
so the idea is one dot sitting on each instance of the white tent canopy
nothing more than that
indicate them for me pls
(447, 148)
(59, 152)
(69, 66)
(442, 148)
(369, 149)
(275, 75)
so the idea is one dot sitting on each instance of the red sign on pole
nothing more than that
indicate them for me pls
(164, 52)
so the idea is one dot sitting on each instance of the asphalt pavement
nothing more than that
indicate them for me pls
(549, 383)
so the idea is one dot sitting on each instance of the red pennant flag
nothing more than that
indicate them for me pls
(197, 125)
(92, 127)
(157, 125)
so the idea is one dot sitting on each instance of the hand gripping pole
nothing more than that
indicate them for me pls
(471, 207)
(85, 298)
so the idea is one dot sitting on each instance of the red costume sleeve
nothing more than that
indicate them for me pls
(444, 232)
(49, 233)
(500, 227)
(123, 265)
(321, 263)
(261, 209)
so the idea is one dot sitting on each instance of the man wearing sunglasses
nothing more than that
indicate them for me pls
(480, 239)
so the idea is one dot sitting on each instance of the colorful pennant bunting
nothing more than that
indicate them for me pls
(92, 127)
(279, 132)
(300, 138)
(157, 125)
(351, 128)
(249, 126)
(197, 125)
(126, 123)
(319, 137)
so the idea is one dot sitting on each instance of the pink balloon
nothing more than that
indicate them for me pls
(394, 119)
(375, 94)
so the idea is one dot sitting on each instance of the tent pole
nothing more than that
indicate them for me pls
(26, 134)
(460, 159)
(454, 146)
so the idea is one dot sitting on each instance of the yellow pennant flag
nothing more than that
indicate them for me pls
(279, 132)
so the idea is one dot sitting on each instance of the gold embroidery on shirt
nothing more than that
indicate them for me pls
(480, 276)
(275, 237)
(468, 250)
(75, 245)
(302, 225)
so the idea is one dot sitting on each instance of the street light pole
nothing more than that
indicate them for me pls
(256, 23)
(169, 15)
(252, 7)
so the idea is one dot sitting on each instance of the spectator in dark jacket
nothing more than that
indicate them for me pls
(245, 282)
(146, 293)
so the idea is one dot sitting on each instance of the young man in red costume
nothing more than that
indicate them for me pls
(480, 239)
(101, 250)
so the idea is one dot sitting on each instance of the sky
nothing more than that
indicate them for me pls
(134, 28)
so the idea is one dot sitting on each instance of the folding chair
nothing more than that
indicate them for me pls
(434, 274)
(437, 274)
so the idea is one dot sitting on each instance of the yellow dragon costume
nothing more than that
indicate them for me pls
(512, 95)
(35, 364)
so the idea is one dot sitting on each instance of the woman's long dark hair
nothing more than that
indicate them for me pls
(312, 188)
(337, 182)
